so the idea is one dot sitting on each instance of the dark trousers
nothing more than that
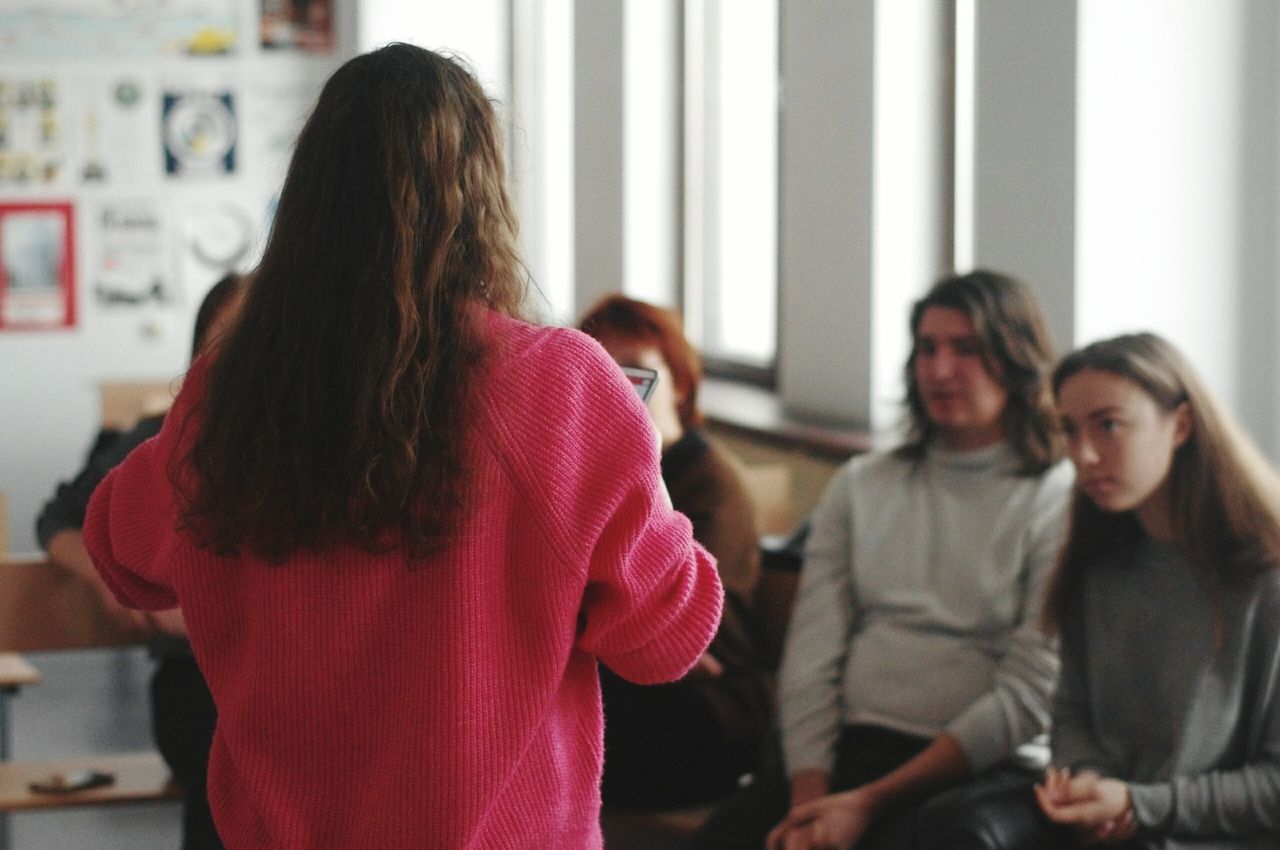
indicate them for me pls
(996, 811)
(182, 720)
(665, 746)
(863, 754)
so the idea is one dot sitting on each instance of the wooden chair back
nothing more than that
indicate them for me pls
(43, 607)
(125, 402)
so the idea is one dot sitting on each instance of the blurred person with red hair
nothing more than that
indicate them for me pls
(691, 740)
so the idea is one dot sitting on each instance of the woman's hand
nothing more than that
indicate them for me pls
(1100, 809)
(833, 822)
(169, 622)
(706, 667)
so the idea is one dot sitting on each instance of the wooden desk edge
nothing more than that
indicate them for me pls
(16, 670)
(139, 778)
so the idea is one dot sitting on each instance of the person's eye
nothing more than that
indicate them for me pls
(925, 348)
(968, 348)
(1109, 424)
(1069, 430)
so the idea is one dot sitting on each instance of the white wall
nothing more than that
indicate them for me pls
(475, 30)
(1161, 110)
(1178, 188)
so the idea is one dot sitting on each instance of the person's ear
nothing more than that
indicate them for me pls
(1182, 426)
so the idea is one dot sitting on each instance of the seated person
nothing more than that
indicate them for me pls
(182, 711)
(914, 660)
(688, 741)
(1166, 722)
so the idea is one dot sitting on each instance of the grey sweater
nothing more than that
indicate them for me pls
(1146, 697)
(918, 605)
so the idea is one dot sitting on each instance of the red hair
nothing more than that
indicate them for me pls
(620, 317)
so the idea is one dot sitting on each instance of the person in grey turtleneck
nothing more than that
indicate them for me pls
(914, 661)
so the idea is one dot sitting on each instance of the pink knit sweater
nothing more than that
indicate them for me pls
(366, 701)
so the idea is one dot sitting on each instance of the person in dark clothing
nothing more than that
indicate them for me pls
(691, 740)
(182, 710)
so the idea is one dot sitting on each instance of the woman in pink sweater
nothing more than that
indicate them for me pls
(403, 524)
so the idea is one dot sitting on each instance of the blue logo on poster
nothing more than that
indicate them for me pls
(199, 134)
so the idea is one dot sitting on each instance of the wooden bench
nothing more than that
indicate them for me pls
(45, 608)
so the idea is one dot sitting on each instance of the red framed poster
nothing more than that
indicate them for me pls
(37, 266)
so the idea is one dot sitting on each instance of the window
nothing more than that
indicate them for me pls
(731, 181)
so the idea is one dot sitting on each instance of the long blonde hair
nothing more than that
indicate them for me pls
(1225, 496)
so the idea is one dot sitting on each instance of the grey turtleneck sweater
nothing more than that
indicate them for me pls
(1146, 697)
(919, 604)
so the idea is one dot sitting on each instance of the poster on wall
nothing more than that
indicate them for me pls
(213, 238)
(297, 25)
(32, 138)
(199, 132)
(133, 267)
(74, 28)
(37, 266)
(116, 131)
(276, 108)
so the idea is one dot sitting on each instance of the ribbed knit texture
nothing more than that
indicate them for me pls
(919, 603)
(370, 701)
(1148, 695)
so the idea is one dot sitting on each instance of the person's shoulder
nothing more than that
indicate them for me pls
(545, 383)
(519, 348)
(880, 464)
(146, 428)
(1255, 598)
(518, 336)
(718, 468)
(1057, 481)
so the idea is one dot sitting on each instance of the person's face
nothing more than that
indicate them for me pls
(962, 399)
(663, 400)
(1121, 442)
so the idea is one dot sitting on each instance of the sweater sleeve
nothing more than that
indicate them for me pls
(1073, 741)
(131, 523)
(1016, 708)
(1240, 801)
(822, 622)
(584, 446)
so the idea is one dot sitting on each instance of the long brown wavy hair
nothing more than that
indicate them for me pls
(1017, 351)
(1225, 496)
(336, 411)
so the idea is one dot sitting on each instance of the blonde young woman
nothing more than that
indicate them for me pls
(1166, 722)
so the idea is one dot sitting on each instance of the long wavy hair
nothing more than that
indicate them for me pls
(1016, 350)
(619, 317)
(1225, 496)
(336, 410)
